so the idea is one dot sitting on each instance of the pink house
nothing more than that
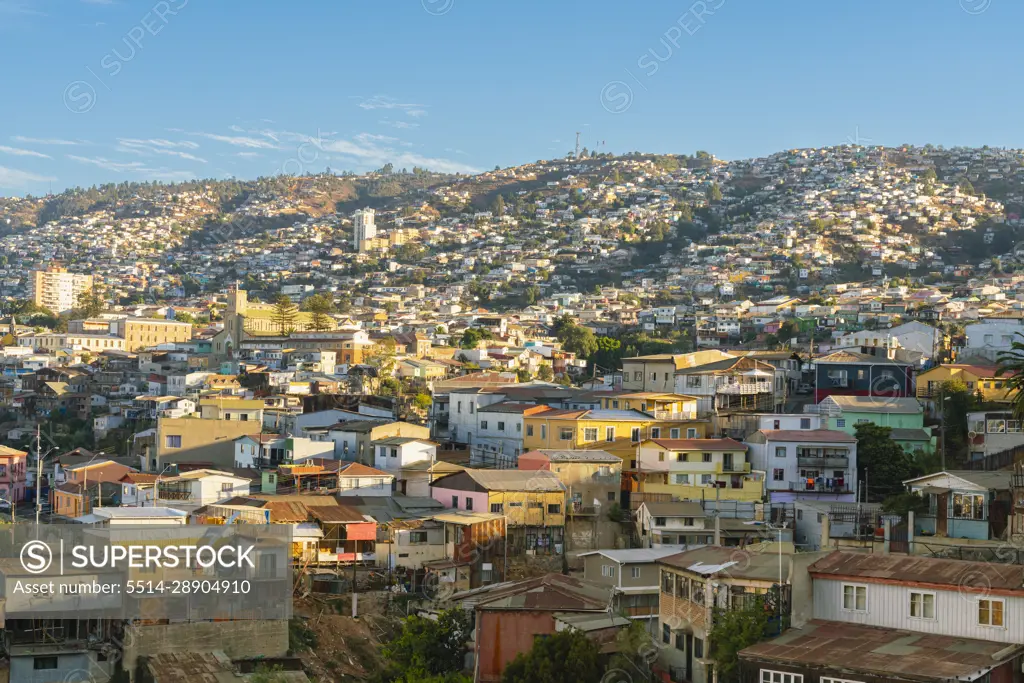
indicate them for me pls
(13, 471)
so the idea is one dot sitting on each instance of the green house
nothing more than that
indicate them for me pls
(904, 415)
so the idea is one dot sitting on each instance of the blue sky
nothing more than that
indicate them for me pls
(112, 90)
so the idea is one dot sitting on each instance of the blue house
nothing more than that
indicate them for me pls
(852, 373)
(961, 504)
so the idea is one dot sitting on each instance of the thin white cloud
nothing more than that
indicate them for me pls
(401, 125)
(238, 140)
(371, 154)
(385, 102)
(248, 155)
(158, 146)
(17, 8)
(15, 151)
(370, 137)
(48, 141)
(108, 164)
(14, 178)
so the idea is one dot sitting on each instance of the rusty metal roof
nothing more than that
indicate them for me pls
(853, 648)
(285, 511)
(959, 574)
(336, 514)
(548, 593)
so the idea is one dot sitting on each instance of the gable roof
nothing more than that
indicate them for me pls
(549, 593)
(500, 480)
(984, 577)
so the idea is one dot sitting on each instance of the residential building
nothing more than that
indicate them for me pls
(634, 578)
(13, 475)
(987, 338)
(696, 469)
(992, 432)
(895, 618)
(734, 384)
(817, 463)
(851, 373)
(353, 440)
(695, 582)
(509, 617)
(237, 409)
(615, 431)
(195, 488)
(961, 503)
(678, 525)
(905, 416)
(363, 228)
(140, 333)
(56, 289)
(979, 379)
(592, 479)
(532, 501)
(209, 443)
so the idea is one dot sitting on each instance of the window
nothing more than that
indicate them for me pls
(688, 521)
(519, 427)
(565, 434)
(590, 434)
(990, 612)
(666, 635)
(634, 572)
(609, 433)
(227, 487)
(659, 521)
(515, 505)
(638, 375)
(554, 508)
(655, 432)
(666, 583)
(799, 514)
(47, 663)
(615, 404)
(483, 424)
(840, 422)
(674, 433)
(691, 433)
(705, 480)
(778, 474)
(417, 537)
(497, 507)
(922, 605)
(855, 598)
(634, 434)
(529, 430)
(969, 506)
(692, 381)
(683, 479)
(469, 503)
(776, 424)
(781, 677)
(706, 457)
(825, 679)
(608, 570)
(472, 408)
(458, 406)
(805, 423)
(698, 648)
(661, 456)
(780, 451)
(455, 501)
(682, 457)
(172, 441)
(501, 426)
(611, 496)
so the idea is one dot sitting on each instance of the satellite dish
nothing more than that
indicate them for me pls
(971, 435)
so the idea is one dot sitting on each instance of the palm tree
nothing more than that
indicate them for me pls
(1011, 365)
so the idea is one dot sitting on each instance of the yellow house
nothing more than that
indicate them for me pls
(661, 406)
(978, 378)
(697, 469)
(617, 431)
(533, 503)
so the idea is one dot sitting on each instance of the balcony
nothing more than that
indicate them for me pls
(732, 468)
(669, 415)
(174, 495)
(745, 388)
(606, 479)
(579, 510)
(838, 462)
(816, 487)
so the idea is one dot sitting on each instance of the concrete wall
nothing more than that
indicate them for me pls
(72, 667)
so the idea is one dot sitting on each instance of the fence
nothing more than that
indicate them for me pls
(997, 461)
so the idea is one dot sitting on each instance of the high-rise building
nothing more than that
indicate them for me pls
(56, 289)
(364, 228)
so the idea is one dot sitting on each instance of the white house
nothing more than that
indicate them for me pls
(987, 339)
(813, 463)
(678, 524)
(356, 479)
(200, 487)
(256, 450)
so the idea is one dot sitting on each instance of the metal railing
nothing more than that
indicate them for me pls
(804, 485)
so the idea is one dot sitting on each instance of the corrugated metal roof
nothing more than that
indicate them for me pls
(849, 648)
(961, 574)
(515, 480)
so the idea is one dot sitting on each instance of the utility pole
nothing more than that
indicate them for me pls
(39, 478)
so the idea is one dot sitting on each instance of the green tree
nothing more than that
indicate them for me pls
(523, 375)
(609, 352)
(545, 373)
(473, 336)
(422, 401)
(714, 193)
(886, 463)
(320, 307)
(1010, 364)
(732, 631)
(285, 314)
(428, 648)
(498, 206)
(562, 657)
